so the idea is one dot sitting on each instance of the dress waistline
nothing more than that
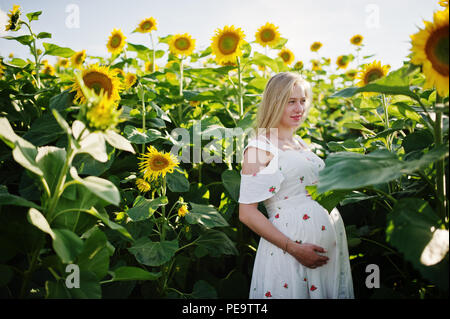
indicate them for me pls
(296, 199)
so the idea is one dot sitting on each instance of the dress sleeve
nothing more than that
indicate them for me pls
(262, 185)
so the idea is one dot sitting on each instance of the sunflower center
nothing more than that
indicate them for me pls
(79, 59)
(98, 81)
(182, 44)
(437, 50)
(159, 163)
(267, 35)
(285, 56)
(116, 40)
(373, 75)
(147, 25)
(228, 43)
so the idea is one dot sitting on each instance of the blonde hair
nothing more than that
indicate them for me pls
(275, 97)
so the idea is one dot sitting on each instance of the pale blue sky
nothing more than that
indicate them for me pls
(385, 24)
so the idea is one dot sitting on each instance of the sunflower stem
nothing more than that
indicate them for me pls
(241, 101)
(153, 53)
(143, 113)
(34, 51)
(440, 164)
(163, 208)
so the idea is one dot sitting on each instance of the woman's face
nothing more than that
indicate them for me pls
(294, 109)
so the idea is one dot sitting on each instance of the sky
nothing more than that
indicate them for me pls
(86, 24)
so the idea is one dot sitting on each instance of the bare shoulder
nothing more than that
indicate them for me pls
(255, 159)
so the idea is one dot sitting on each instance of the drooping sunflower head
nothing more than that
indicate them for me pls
(77, 59)
(116, 41)
(356, 39)
(154, 163)
(102, 116)
(315, 46)
(226, 44)
(182, 45)
(130, 79)
(430, 48)
(142, 185)
(372, 72)
(100, 79)
(147, 25)
(342, 61)
(316, 66)
(267, 35)
(287, 56)
(298, 65)
(13, 22)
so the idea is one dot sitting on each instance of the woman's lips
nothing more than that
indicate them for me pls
(296, 117)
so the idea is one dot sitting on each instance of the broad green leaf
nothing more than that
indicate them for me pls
(205, 215)
(152, 253)
(61, 101)
(44, 35)
(144, 208)
(231, 181)
(134, 135)
(34, 15)
(67, 245)
(264, 60)
(418, 140)
(177, 182)
(203, 290)
(16, 63)
(89, 287)
(36, 218)
(118, 141)
(216, 243)
(102, 188)
(95, 254)
(346, 170)
(55, 50)
(328, 200)
(103, 216)
(94, 145)
(23, 39)
(43, 131)
(25, 154)
(7, 133)
(62, 122)
(50, 160)
(126, 273)
(9, 199)
(413, 218)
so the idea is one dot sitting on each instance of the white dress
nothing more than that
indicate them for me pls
(281, 186)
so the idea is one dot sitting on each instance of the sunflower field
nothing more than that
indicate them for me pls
(114, 182)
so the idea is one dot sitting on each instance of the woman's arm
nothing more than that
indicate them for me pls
(254, 160)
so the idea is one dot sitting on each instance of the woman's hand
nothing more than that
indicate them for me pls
(306, 254)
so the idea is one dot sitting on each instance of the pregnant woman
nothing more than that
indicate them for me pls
(303, 249)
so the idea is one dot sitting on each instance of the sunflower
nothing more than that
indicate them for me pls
(226, 44)
(147, 25)
(2, 68)
(287, 56)
(430, 49)
(298, 65)
(14, 15)
(149, 67)
(267, 35)
(142, 185)
(183, 210)
(130, 79)
(62, 62)
(194, 103)
(342, 61)
(351, 74)
(48, 69)
(316, 65)
(181, 44)
(77, 59)
(116, 42)
(443, 3)
(315, 46)
(98, 78)
(356, 39)
(372, 72)
(154, 164)
(103, 115)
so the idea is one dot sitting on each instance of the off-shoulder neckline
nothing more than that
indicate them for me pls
(299, 139)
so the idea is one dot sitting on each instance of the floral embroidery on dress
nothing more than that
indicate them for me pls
(277, 216)
(272, 189)
(323, 227)
(268, 294)
(305, 217)
(285, 285)
(301, 179)
(313, 288)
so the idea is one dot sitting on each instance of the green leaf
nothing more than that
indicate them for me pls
(231, 181)
(25, 154)
(95, 255)
(44, 35)
(328, 200)
(102, 188)
(55, 50)
(62, 122)
(50, 160)
(414, 218)
(67, 245)
(137, 137)
(205, 215)
(16, 63)
(216, 243)
(23, 39)
(144, 208)
(203, 290)
(118, 141)
(346, 170)
(89, 288)
(177, 182)
(44, 130)
(9, 199)
(7, 133)
(61, 101)
(103, 216)
(126, 273)
(34, 15)
(36, 218)
(92, 144)
(152, 253)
